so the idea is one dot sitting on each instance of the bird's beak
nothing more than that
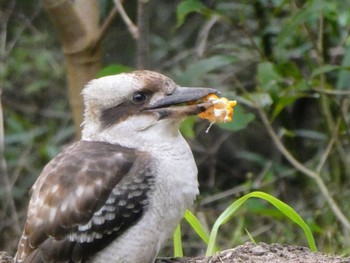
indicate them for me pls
(168, 107)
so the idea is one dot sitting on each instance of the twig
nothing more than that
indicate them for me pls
(143, 30)
(320, 38)
(243, 188)
(325, 105)
(325, 154)
(344, 157)
(224, 194)
(345, 112)
(19, 33)
(281, 147)
(3, 26)
(332, 92)
(300, 167)
(312, 38)
(252, 41)
(130, 25)
(203, 35)
(104, 28)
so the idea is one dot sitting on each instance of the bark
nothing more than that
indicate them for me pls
(77, 25)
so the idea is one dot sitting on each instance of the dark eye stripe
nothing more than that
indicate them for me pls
(118, 113)
(122, 111)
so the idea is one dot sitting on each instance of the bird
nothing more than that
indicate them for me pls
(118, 193)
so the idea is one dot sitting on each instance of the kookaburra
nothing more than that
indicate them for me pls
(118, 193)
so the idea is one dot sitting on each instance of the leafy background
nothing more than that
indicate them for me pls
(285, 62)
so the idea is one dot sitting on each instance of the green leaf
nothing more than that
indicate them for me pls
(285, 101)
(178, 252)
(268, 76)
(309, 13)
(240, 120)
(326, 69)
(343, 75)
(187, 7)
(113, 69)
(199, 69)
(290, 70)
(291, 24)
(284, 208)
(196, 226)
(263, 99)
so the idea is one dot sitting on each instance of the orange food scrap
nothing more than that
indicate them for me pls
(221, 109)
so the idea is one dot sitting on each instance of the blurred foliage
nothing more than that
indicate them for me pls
(34, 100)
(288, 59)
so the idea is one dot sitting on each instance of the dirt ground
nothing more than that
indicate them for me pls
(259, 253)
(249, 253)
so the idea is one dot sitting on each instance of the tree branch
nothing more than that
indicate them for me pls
(104, 28)
(143, 30)
(130, 25)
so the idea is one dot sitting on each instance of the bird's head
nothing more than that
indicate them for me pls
(138, 104)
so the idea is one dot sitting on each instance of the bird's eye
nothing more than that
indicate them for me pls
(139, 97)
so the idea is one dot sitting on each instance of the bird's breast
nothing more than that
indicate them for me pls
(175, 188)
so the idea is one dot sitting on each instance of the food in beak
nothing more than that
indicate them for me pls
(220, 111)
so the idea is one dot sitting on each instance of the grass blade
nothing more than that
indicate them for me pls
(284, 208)
(197, 226)
(178, 252)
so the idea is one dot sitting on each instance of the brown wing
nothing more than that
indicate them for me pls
(84, 198)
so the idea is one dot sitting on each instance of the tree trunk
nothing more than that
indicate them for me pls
(77, 24)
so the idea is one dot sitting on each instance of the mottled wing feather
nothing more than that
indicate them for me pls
(84, 198)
